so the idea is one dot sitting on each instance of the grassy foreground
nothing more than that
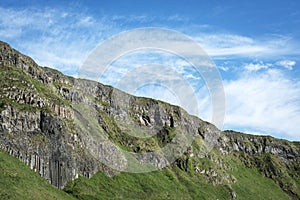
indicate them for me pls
(175, 184)
(18, 181)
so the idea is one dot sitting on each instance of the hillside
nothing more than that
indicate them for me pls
(78, 134)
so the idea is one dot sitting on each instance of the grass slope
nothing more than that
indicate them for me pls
(18, 181)
(173, 183)
(163, 184)
(252, 185)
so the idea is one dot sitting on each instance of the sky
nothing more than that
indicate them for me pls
(255, 45)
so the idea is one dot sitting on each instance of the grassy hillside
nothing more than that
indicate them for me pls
(174, 183)
(18, 181)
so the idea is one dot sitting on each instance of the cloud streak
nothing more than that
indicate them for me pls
(231, 45)
(256, 66)
(267, 102)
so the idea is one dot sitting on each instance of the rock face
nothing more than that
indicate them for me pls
(42, 141)
(64, 127)
(255, 145)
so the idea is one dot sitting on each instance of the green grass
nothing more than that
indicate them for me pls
(165, 184)
(18, 181)
(273, 168)
(252, 185)
(175, 183)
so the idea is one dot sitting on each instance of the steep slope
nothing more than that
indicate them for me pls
(66, 128)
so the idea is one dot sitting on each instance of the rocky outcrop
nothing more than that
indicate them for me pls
(42, 141)
(255, 145)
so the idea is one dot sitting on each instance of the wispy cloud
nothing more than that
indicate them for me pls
(288, 64)
(230, 45)
(177, 18)
(223, 68)
(63, 26)
(132, 18)
(63, 38)
(53, 37)
(267, 102)
(257, 66)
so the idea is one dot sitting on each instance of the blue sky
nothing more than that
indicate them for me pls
(254, 44)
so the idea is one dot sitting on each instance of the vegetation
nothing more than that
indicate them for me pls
(174, 183)
(18, 181)
(165, 184)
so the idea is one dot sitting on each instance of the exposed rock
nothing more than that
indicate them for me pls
(254, 145)
(233, 195)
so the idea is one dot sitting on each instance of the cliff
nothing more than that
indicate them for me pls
(65, 128)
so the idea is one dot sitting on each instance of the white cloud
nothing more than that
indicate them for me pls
(177, 18)
(267, 102)
(229, 45)
(53, 37)
(256, 66)
(86, 21)
(132, 18)
(223, 68)
(288, 64)
(225, 40)
(126, 63)
(191, 76)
